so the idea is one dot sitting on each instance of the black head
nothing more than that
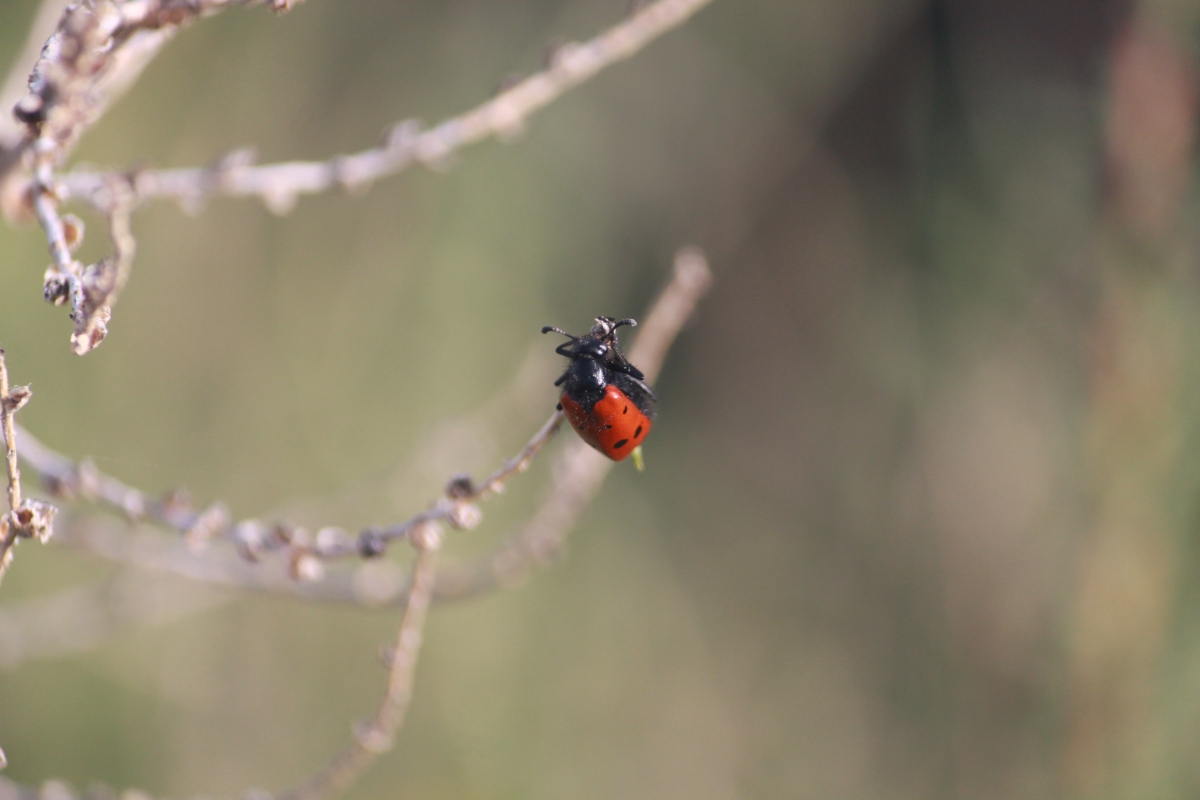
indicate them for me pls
(599, 345)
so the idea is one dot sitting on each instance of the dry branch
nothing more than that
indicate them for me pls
(25, 519)
(279, 185)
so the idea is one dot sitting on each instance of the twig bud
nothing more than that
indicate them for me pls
(426, 536)
(250, 538)
(17, 397)
(55, 286)
(464, 516)
(211, 522)
(34, 519)
(329, 539)
(460, 486)
(371, 543)
(72, 231)
(305, 566)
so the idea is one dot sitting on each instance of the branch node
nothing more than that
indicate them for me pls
(464, 516)
(212, 522)
(460, 486)
(72, 231)
(16, 399)
(331, 540)
(305, 566)
(371, 543)
(250, 537)
(426, 535)
(34, 519)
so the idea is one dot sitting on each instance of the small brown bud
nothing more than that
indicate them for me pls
(72, 231)
(460, 486)
(17, 397)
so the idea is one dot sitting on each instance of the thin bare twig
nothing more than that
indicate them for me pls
(8, 524)
(9, 403)
(66, 478)
(279, 185)
(26, 518)
(376, 737)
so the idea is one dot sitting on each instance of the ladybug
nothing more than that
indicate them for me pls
(605, 398)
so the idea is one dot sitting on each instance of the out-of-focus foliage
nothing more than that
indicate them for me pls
(920, 511)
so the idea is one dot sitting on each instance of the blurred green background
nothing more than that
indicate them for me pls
(920, 516)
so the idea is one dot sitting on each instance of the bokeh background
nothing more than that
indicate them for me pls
(920, 515)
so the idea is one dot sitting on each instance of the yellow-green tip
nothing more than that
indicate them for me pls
(637, 459)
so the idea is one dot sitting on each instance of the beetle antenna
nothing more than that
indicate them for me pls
(630, 322)
(549, 328)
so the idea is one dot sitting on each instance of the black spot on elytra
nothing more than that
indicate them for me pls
(608, 427)
(620, 444)
(626, 411)
(638, 432)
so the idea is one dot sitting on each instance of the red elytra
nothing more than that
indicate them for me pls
(614, 426)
